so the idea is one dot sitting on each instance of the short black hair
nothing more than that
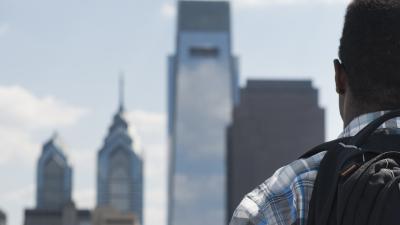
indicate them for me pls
(370, 52)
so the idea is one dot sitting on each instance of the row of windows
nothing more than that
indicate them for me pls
(204, 52)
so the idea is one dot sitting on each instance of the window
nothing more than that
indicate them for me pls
(53, 184)
(204, 52)
(119, 180)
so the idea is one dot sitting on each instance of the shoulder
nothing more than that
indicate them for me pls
(281, 199)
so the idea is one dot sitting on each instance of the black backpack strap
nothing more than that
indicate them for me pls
(324, 147)
(357, 140)
(325, 186)
(322, 206)
(365, 133)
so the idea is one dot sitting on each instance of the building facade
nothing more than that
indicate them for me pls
(54, 185)
(54, 177)
(274, 124)
(109, 216)
(69, 215)
(202, 92)
(3, 218)
(119, 170)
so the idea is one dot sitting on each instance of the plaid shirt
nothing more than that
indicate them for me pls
(283, 199)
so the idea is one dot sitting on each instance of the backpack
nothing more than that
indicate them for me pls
(358, 182)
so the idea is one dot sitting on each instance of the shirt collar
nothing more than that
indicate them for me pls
(357, 124)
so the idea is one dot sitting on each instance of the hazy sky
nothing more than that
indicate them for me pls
(59, 66)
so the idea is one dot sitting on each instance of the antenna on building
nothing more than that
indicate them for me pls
(121, 91)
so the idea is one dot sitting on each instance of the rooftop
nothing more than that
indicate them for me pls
(283, 85)
(204, 16)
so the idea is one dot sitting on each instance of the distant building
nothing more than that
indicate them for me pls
(119, 169)
(3, 218)
(203, 84)
(69, 215)
(109, 216)
(54, 177)
(275, 122)
(54, 186)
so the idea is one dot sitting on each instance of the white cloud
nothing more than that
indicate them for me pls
(23, 114)
(168, 9)
(21, 108)
(17, 143)
(4, 28)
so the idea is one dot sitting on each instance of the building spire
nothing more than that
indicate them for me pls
(54, 135)
(121, 92)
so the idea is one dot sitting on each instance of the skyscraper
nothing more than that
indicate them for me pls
(275, 122)
(119, 169)
(202, 92)
(54, 177)
(54, 183)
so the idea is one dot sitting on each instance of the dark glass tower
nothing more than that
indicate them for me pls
(275, 122)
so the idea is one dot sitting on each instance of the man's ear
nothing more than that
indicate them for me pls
(340, 77)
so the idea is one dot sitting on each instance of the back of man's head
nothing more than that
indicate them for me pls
(370, 52)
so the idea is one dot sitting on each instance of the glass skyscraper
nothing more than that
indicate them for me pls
(119, 172)
(202, 92)
(54, 185)
(54, 177)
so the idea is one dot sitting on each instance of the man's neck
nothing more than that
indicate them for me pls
(350, 117)
(354, 110)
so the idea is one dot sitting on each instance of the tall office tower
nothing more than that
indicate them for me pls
(119, 169)
(54, 177)
(275, 122)
(202, 93)
(54, 203)
(3, 218)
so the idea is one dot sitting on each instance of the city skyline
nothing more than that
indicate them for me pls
(67, 65)
(119, 187)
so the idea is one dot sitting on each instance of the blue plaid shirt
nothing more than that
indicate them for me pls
(283, 199)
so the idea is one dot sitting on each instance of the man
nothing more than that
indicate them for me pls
(368, 84)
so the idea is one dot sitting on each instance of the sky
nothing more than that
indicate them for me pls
(59, 68)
